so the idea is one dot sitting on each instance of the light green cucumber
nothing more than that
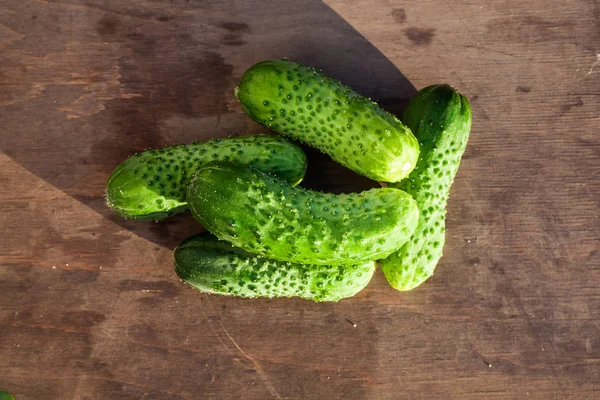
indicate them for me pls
(151, 185)
(267, 216)
(5, 395)
(215, 266)
(302, 103)
(440, 117)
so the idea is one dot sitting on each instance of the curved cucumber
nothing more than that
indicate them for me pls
(440, 117)
(214, 266)
(151, 185)
(267, 216)
(304, 104)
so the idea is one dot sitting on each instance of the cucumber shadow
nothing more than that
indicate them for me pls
(121, 77)
(174, 81)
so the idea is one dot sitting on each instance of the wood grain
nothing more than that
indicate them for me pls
(90, 307)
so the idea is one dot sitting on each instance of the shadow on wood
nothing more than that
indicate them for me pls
(79, 103)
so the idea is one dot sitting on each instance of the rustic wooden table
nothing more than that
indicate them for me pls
(90, 307)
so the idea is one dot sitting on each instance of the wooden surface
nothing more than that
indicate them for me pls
(90, 307)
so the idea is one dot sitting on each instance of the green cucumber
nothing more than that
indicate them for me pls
(215, 266)
(5, 395)
(440, 117)
(302, 103)
(267, 216)
(151, 185)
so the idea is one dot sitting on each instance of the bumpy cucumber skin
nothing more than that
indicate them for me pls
(440, 117)
(151, 185)
(215, 266)
(267, 216)
(304, 104)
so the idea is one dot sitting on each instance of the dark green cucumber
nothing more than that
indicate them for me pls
(5, 395)
(440, 117)
(302, 103)
(151, 185)
(215, 266)
(265, 215)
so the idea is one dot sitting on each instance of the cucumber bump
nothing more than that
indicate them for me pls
(302, 103)
(267, 216)
(151, 185)
(214, 266)
(440, 117)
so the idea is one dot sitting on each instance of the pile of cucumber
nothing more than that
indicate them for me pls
(270, 238)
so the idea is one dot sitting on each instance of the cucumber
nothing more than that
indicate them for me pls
(215, 266)
(5, 395)
(440, 117)
(151, 185)
(302, 103)
(267, 216)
